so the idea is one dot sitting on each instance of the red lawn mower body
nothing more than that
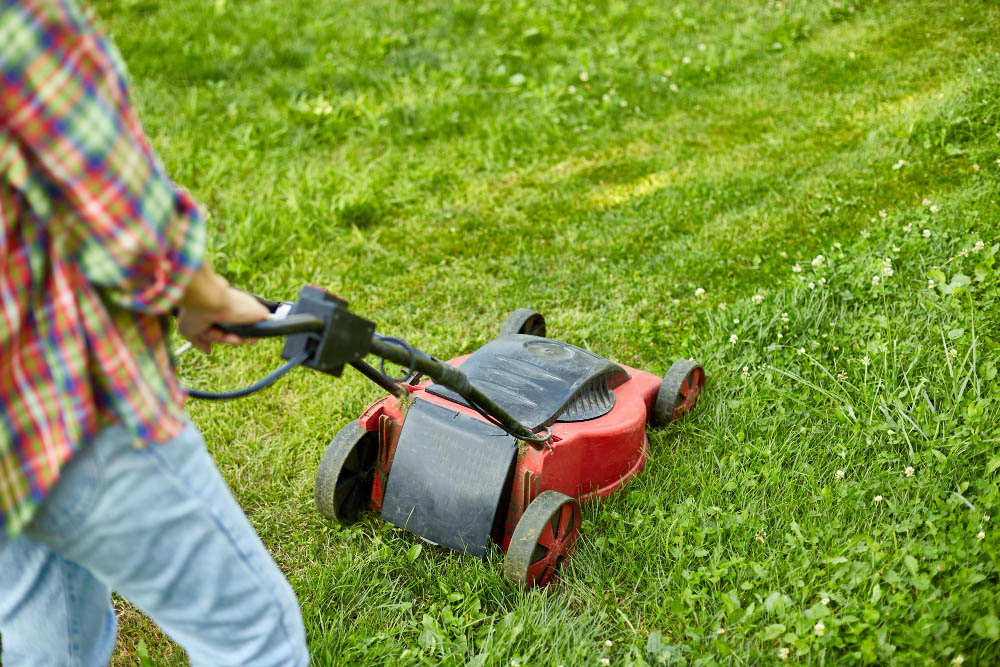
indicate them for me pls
(584, 460)
(436, 466)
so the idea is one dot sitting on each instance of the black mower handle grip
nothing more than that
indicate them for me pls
(291, 324)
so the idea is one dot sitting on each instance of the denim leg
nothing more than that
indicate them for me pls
(52, 611)
(165, 532)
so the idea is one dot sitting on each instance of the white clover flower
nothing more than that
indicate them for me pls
(836, 244)
(909, 471)
(899, 165)
(836, 348)
(887, 272)
(975, 167)
(757, 299)
(934, 208)
(759, 537)
(702, 47)
(952, 353)
(865, 233)
(841, 376)
(673, 88)
(733, 338)
(686, 60)
(812, 285)
(895, 248)
(784, 318)
(957, 660)
(980, 535)
(882, 214)
(584, 76)
(875, 280)
(736, 320)
(796, 269)
(605, 97)
(819, 629)
(839, 474)
(877, 499)
(572, 90)
(824, 600)
(801, 350)
(907, 228)
(865, 361)
(608, 643)
(926, 233)
(746, 372)
(780, 336)
(926, 202)
(979, 246)
(986, 517)
(699, 292)
(818, 261)
(783, 653)
(930, 283)
(720, 631)
(605, 661)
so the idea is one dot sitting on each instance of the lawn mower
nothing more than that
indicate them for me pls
(501, 445)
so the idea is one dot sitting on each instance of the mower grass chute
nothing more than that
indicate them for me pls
(497, 447)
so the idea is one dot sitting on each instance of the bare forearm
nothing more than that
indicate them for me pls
(207, 291)
(209, 300)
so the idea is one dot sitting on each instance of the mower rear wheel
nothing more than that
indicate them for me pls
(678, 392)
(542, 540)
(524, 321)
(345, 475)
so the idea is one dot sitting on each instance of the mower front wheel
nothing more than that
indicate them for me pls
(524, 321)
(678, 392)
(542, 540)
(345, 475)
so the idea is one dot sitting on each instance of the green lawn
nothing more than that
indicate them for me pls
(767, 187)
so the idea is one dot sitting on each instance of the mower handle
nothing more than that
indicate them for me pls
(270, 328)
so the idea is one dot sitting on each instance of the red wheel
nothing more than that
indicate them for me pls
(543, 539)
(678, 392)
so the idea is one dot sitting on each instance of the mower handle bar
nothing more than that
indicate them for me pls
(399, 353)
(271, 328)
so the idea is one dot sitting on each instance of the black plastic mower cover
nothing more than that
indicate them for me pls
(448, 477)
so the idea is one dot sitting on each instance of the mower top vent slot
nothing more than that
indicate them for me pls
(593, 400)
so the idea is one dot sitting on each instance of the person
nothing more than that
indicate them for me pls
(105, 484)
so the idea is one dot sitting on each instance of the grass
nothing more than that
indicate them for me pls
(442, 163)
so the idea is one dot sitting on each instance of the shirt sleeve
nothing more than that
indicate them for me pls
(65, 101)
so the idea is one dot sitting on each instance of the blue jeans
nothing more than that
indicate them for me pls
(159, 526)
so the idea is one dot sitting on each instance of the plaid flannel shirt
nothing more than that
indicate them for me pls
(96, 245)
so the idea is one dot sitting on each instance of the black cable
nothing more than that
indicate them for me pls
(257, 386)
(413, 359)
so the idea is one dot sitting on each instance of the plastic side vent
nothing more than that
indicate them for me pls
(592, 401)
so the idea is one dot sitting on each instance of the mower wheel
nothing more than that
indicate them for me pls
(678, 392)
(524, 321)
(345, 475)
(542, 540)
